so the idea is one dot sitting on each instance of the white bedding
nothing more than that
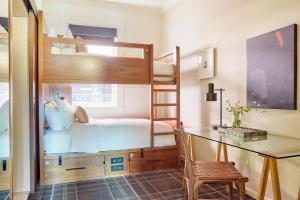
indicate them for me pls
(4, 144)
(105, 135)
(163, 68)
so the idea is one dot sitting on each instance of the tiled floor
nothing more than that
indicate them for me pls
(4, 195)
(162, 185)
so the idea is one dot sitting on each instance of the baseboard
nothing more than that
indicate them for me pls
(21, 195)
(253, 193)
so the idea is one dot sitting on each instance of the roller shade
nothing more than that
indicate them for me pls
(4, 22)
(93, 33)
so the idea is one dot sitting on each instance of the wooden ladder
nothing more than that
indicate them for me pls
(165, 87)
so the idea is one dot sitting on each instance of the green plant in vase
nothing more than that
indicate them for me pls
(237, 110)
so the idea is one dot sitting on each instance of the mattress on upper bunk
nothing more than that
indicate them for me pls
(107, 135)
(4, 144)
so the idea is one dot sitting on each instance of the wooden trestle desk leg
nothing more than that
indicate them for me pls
(219, 150)
(225, 154)
(270, 165)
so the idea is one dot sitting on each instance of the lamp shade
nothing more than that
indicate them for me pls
(211, 95)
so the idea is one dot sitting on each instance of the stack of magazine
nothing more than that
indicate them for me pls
(242, 134)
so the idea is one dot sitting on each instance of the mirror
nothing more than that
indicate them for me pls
(4, 103)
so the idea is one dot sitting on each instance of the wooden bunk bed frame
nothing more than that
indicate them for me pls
(57, 68)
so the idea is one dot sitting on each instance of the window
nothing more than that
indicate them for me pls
(4, 93)
(95, 95)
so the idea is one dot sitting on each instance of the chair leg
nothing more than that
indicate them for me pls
(196, 189)
(190, 188)
(184, 173)
(231, 191)
(186, 188)
(242, 191)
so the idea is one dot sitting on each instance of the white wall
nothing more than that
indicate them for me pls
(134, 23)
(3, 8)
(225, 25)
(38, 4)
(133, 101)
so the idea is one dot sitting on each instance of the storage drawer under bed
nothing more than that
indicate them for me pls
(62, 169)
(117, 164)
(153, 160)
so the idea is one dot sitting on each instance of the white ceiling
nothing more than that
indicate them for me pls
(163, 4)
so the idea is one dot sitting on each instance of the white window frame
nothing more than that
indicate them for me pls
(113, 103)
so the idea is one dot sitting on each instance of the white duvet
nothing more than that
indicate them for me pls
(105, 135)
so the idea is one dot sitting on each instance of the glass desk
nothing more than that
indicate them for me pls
(270, 147)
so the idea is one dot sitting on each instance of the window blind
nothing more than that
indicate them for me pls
(93, 33)
(4, 22)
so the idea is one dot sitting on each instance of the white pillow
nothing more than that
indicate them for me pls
(53, 117)
(68, 48)
(66, 112)
(55, 50)
(52, 33)
(2, 29)
(4, 117)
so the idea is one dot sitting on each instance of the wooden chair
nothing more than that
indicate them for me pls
(197, 173)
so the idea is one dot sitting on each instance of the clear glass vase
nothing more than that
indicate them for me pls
(236, 120)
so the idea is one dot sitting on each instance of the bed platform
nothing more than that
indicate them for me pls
(62, 168)
(162, 74)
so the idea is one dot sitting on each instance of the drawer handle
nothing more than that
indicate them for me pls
(75, 168)
(4, 165)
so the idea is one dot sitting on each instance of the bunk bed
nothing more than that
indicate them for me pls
(154, 141)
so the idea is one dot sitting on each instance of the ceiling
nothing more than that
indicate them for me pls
(163, 4)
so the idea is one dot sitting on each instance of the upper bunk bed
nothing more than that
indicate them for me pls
(83, 67)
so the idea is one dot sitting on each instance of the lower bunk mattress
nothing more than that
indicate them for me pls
(107, 135)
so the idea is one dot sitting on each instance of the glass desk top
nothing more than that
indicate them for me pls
(278, 147)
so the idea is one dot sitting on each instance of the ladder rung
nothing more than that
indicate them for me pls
(165, 90)
(164, 119)
(165, 75)
(164, 83)
(165, 104)
(165, 133)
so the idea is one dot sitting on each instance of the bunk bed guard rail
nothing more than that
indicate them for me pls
(82, 67)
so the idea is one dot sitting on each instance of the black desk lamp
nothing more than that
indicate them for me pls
(212, 96)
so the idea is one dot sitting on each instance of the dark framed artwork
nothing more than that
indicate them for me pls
(272, 69)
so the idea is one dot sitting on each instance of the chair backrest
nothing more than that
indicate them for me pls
(187, 148)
